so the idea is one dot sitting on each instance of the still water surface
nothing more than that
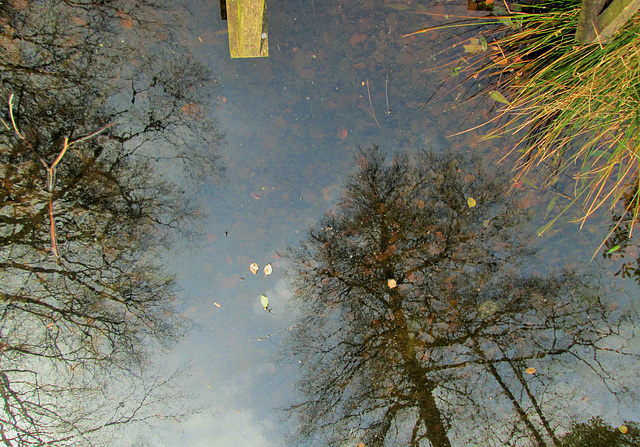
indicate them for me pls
(454, 301)
(294, 124)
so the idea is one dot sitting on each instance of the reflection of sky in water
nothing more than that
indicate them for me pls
(286, 158)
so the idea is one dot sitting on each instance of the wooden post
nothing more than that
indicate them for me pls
(247, 26)
(595, 25)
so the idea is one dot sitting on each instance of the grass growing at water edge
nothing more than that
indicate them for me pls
(576, 106)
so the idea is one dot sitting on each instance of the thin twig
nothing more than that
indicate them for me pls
(277, 333)
(51, 170)
(371, 104)
(15, 129)
(54, 242)
(98, 132)
(13, 121)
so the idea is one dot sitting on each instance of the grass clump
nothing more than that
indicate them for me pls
(576, 106)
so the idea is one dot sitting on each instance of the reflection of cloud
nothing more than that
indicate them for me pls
(234, 376)
(230, 428)
(237, 408)
(280, 299)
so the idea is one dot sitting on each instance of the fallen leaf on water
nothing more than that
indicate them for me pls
(497, 96)
(268, 269)
(192, 109)
(264, 301)
(216, 304)
(471, 202)
(342, 133)
(530, 370)
(623, 429)
(392, 283)
(254, 268)
(357, 38)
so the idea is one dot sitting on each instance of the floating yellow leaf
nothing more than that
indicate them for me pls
(530, 370)
(392, 283)
(471, 202)
(216, 304)
(497, 96)
(623, 429)
(264, 301)
(268, 269)
(254, 268)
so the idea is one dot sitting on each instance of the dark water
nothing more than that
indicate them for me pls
(489, 334)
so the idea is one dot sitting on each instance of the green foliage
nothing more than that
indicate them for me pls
(596, 433)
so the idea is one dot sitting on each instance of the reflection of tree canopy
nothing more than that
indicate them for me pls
(595, 433)
(422, 316)
(74, 321)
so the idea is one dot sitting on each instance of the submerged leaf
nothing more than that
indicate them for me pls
(487, 308)
(471, 202)
(483, 41)
(613, 249)
(474, 46)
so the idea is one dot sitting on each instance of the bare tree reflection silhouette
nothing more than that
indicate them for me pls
(425, 318)
(84, 297)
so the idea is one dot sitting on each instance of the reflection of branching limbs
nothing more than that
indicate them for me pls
(534, 402)
(51, 169)
(521, 412)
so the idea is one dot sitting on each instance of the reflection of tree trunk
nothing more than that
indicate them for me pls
(523, 414)
(429, 411)
(535, 404)
(423, 388)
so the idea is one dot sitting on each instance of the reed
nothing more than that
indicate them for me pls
(576, 108)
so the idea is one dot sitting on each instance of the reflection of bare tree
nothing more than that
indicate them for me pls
(78, 317)
(422, 315)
